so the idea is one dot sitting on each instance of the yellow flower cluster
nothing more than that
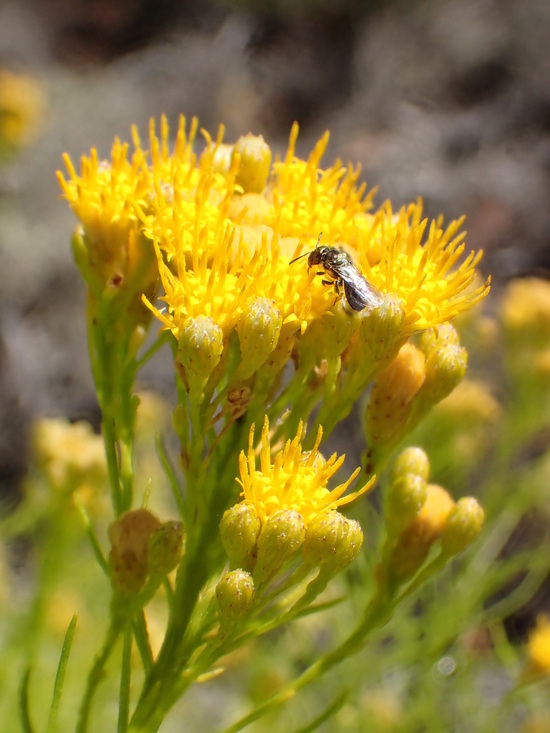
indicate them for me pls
(286, 506)
(220, 245)
(296, 480)
(221, 231)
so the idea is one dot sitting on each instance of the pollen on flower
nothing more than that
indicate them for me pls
(296, 480)
(104, 195)
(423, 269)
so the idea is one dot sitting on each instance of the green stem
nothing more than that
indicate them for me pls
(125, 676)
(377, 614)
(95, 676)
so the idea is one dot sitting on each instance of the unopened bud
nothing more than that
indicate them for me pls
(255, 162)
(463, 525)
(235, 593)
(434, 338)
(406, 496)
(380, 329)
(445, 369)
(412, 460)
(239, 530)
(415, 540)
(258, 329)
(332, 541)
(165, 548)
(392, 393)
(129, 536)
(200, 347)
(280, 538)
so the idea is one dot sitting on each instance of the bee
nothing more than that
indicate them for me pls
(340, 271)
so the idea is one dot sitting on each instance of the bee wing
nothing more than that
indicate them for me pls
(359, 293)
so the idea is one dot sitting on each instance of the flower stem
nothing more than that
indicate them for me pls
(95, 676)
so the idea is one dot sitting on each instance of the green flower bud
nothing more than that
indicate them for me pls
(235, 593)
(332, 541)
(405, 498)
(445, 369)
(255, 162)
(258, 329)
(434, 338)
(412, 460)
(200, 347)
(280, 538)
(239, 530)
(350, 547)
(414, 542)
(463, 525)
(380, 330)
(376, 342)
(165, 548)
(128, 561)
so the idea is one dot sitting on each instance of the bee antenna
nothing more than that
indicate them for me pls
(306, 253)
(298, 258)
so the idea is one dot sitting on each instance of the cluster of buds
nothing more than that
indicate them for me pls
(260, 550)
(143, 551)
(419, 513)
(330, 540)
(406, 390)
(288, 519)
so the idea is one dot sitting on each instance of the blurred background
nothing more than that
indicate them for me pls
(447, 100)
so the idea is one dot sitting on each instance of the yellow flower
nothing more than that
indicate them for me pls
(105, 194)
(21, 106)
(525, 310)
(296, 480)
(201, 212)
(71, 455)
(538, 647)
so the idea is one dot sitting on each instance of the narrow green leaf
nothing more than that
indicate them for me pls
(24, 714)
(60, 676)
(94, 541)
(171, 476)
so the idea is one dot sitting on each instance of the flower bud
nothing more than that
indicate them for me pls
(434, 338)
(258, 329)
(462, 526)
(255, 162)
(375, 343)
(332, 541)
(235, 593)
(445, 369)
(380, 329)
(239, 530)
(406, 496)
(392, 392)
(415, 540)
(200, 347)
(280, 538)
(165, 548)
(129, 536)
(412, 460)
